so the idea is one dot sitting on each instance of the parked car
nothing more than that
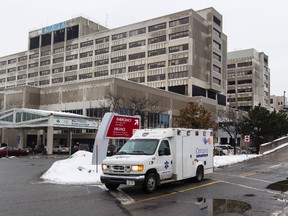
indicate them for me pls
(218, 151)
(81, 146)
(12, 151)
(227, 149)
(60, 149)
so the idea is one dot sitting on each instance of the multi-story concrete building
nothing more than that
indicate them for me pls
(278, 103)
(248, 79)
(184, 53)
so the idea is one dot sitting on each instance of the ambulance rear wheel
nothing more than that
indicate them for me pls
(199, 174)
(112, 187)
(150, 183)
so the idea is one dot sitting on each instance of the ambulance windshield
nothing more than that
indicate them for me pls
(139, 147)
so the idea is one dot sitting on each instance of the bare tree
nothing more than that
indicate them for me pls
(230, 121)
(134, 105)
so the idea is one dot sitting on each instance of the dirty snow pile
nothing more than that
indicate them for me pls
(76, 169)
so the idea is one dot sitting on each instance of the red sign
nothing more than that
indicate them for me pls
(247, 138)
(122, 126)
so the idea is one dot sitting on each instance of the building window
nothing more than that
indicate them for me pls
(57, 80)
(57, 70)
(244, 73)
(2, 80)
(33, 65)
(102, 40)
(156, 77)
(231, 66)
(137, 56)
(221, 99)
(157, 27)
(118, 71)
(240, 82)
(231, 74)
(102, 62)
(86, 43)
(86, 54)
(245, 90)
(46, 62)
(58, 50)
(22, 58)
(216, 45)
(216, 81)
(177, 75)
(101, 73)
(59, 36)
(137, 32)
(216, 69)
(23, 76)
(11, 78)
(102, 51)
(35, 74)
(138, 79)
(72, 32)
(85, 76)
(230, 91)
(216, 21)
(11, 61)
(178, 48)
(71, 57)
(156, 52)
(157, 39)
(178, 22)
(11, 70)
(4, 71)
(58, 60)
(198, 91)
(136, 68)
(44, 72)
(23, 67)
(4, 62)
(71, 67)
(119, 36)
(33, 56)
(118, 47)
(178, 35)
(118, 59)
(86, 65)
(178, 61)
(217, 57)
(72, 47)
(231, 82)
(70, 78)
(137, 43)
(45, 53)
(157, 65)
(211, 95)
(216, 33)
(244, 64)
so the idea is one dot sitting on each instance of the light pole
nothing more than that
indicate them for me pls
(284, 101)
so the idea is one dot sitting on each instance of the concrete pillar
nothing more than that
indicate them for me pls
(21, 135)
(50, 134)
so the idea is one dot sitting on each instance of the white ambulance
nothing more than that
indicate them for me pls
(156, 156)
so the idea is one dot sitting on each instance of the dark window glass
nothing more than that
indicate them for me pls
(34, 42)
(59, 36)
(46, 39)
(72, 32)
(221, 99)
(198, 91)
(157, 27)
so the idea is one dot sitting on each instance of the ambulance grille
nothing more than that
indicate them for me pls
(118, 169)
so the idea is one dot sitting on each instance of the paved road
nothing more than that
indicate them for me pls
(256, 187)
(22, 194)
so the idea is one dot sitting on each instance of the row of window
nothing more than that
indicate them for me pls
(246, 90)
(241, 64)
(240, 82)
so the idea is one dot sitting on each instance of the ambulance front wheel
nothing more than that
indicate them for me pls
(150, 183)
(111, 186)
(199, 174)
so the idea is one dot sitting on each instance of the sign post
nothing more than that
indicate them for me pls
(247, 140)
(113, 126)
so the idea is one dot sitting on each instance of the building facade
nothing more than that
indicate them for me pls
(248, 79)
(278, 103)
(67, 65)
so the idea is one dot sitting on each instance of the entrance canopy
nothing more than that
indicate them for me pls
(34, 118)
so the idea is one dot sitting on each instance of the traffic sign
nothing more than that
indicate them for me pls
(247, 138)
(122, 126)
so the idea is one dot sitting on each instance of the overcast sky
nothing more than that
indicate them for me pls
(259, 24)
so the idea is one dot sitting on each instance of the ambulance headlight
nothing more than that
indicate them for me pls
(138, 168)
(105, 167)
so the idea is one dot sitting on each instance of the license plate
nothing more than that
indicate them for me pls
(128, 182)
